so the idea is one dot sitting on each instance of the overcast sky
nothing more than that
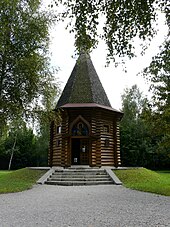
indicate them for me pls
(114, 80)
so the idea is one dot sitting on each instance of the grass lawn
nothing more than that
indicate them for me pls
(3, 172)
(146, 180)
(19, 180)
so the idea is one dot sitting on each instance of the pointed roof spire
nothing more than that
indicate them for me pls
(84, 85)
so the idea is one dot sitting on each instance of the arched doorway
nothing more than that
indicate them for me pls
(80, 146)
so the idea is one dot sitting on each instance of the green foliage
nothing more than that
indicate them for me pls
(25, 73)
(19, 180)
(27, 87)
(159, 75)
(136, 141)
(144, 140)
(42, 145)
(44, 118)
(29, 150)
(145, 180)
(24, 150)
(122, 21)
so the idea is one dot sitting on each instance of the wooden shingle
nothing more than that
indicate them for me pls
(83, 85)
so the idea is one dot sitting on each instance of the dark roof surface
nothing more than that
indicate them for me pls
(84, 86)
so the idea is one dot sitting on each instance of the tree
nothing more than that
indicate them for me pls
(24, 63)
(25, 148)
(123, 21)
(158, 73)
(144, 132)
(137, 142)
(45, 116)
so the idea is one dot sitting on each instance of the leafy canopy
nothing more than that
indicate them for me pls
(25, 73)
(136, 141)
(123, 20)
(158, 73)
(145, 131)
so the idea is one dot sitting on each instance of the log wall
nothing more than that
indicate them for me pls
(107, 139)
(104, 144)
(57, 146)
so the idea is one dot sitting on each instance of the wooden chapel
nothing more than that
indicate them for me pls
(88, 130)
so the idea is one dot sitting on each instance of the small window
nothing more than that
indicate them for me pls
(106, 143)
(106, 128)
(58, 129)
(58, 143)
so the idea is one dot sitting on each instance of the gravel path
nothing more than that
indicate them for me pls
(83, 206)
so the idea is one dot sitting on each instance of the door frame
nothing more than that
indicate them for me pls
(75, 121)
(89, 150)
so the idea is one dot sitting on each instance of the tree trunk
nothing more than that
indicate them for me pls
(12, 153)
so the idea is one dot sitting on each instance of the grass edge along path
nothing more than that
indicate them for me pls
(146, 180)
(19, 180)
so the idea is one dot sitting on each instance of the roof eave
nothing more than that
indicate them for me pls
(88, 105)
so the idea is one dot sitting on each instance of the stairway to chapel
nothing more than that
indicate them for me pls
(73, 177)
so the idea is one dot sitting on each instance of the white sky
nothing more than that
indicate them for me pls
(114, 80)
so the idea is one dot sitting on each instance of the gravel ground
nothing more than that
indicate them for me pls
(83, 206)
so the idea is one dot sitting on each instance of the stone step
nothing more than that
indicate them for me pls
(81, 172)
(77, 176)
(78, 183)
(85, 176)
(79, 179)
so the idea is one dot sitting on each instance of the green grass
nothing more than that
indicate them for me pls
(163, 172)
(18, 180)
(146, 180)
(2, 173)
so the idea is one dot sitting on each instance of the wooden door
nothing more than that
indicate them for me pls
(75, 150)
(84, 151)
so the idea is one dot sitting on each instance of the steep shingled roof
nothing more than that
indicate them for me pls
(83, 85)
